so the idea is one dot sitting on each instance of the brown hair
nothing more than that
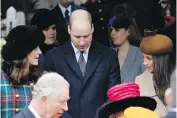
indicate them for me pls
(16, 70)
(134, 37)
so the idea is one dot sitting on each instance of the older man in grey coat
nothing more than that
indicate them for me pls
(50, 96)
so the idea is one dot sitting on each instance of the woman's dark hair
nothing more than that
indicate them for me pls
(163, 67)
(18, 71)
(134, 37)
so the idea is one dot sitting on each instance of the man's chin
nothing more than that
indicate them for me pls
(82, 49)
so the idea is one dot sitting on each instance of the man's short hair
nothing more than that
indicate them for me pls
(87, 17)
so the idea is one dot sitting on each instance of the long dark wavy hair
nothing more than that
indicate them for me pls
(163, 67)
(19, 71)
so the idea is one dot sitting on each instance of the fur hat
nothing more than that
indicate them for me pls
(123, 96)
(43, 18)
(120, 21)
(157, 44)
(20, 41)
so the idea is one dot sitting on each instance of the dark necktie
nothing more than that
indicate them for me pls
(82, 63)
(67, 16)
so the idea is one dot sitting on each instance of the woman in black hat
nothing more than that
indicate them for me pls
(44, 19)
(18, 72)
(126, 38)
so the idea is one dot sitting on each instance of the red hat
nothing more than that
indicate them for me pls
(123, 96)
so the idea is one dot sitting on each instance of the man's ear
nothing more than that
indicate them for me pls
(69, 29)
(168, 96)
(43, 99)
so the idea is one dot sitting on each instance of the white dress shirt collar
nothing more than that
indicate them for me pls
(33, 111)
(63, 9)
(77, 52)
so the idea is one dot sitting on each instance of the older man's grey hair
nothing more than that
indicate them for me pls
(173, 87)
(49, 85)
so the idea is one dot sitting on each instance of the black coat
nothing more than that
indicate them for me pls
(45, 48)
(89, 92)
